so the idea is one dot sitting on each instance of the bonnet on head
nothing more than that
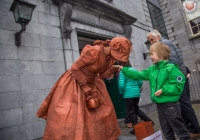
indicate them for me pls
(120, 48)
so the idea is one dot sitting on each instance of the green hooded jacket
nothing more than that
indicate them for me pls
(162, 75)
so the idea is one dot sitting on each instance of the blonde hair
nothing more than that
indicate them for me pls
(161, 50)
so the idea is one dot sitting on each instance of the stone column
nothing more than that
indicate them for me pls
(127, 31)
(65, 11)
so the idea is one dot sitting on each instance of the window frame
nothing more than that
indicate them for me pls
(161, 21)
(187, 24)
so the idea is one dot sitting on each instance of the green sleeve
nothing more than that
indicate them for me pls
(136, 75)
(176, 83)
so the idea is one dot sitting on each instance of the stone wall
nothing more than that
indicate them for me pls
(179, 32)
(28, 72)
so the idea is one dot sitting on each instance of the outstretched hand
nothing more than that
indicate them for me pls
(117, 66)
(158, 93)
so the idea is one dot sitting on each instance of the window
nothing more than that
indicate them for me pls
(157, 19)
(194, 21)
(85, 38)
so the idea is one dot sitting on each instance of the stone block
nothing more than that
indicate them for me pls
(54, 10)
(167, 18)
(30, 53)
(9, 83)
(184, 48)
(50, 80)
(180, 31)
(197, 46)
(166, 10)
(53, 67)
(86, 17)
(9, 67)
(4, 8)
(8, 23)
(168, 27)
(7, 37)
(29, 114)
(35, 16)
(53, 55)
(10, 100)
(175, 42)
(30, 67)
(31, 40)
(53, 31)
(171, 34)
(8, 51)
(42, 29)
(163, 2)
(40, 6)
(31, 97)
(48, 19)
(111, 25)
(28, 131)
(10, 117)
(51, 42)
(31, 82)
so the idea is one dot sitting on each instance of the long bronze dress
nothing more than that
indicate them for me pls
(67, 116)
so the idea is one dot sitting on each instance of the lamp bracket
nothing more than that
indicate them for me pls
(18, 35)
(145, 55)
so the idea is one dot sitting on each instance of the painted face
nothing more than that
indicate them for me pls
(152, 39)
(154, 57)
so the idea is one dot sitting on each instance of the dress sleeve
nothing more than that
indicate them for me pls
(89, 56)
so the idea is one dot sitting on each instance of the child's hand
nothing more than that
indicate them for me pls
(118, 66)
(158, 93)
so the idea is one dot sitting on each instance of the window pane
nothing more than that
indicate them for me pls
(157, 18)
(198, 20)
(195, 30)
(193, 23)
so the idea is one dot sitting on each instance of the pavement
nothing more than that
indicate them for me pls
(154, 116)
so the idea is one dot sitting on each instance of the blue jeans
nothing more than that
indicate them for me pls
(171, 121)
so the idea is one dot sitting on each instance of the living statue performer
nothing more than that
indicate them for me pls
(79, 107)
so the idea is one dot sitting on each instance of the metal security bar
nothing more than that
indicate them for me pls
(194, 83)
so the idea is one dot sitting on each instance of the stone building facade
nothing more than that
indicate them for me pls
(53, 40)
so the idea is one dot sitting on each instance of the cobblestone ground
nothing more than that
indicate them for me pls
(154, 117)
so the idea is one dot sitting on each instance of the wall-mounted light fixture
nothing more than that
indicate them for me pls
(22, 12)
(148, 44)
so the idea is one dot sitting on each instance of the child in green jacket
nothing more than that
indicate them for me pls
(166, 85)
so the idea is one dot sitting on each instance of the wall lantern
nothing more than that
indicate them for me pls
(148, 44)
(22, 12)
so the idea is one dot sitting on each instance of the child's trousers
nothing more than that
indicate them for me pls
(171, 121)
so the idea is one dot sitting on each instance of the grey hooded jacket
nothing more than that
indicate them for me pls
(175, 55)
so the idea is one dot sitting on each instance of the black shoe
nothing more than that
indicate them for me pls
(131, 132)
